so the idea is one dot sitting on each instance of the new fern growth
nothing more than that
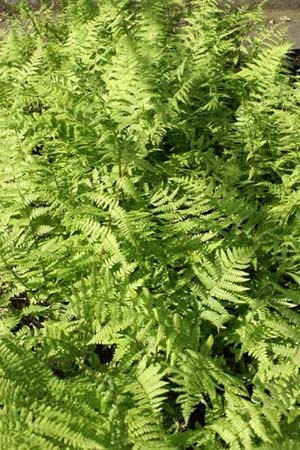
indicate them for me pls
(149, 245)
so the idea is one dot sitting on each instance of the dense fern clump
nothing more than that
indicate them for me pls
(150, 229)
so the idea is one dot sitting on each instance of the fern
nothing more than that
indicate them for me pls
(149, 230)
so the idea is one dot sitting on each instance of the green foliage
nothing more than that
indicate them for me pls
(149, 245)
